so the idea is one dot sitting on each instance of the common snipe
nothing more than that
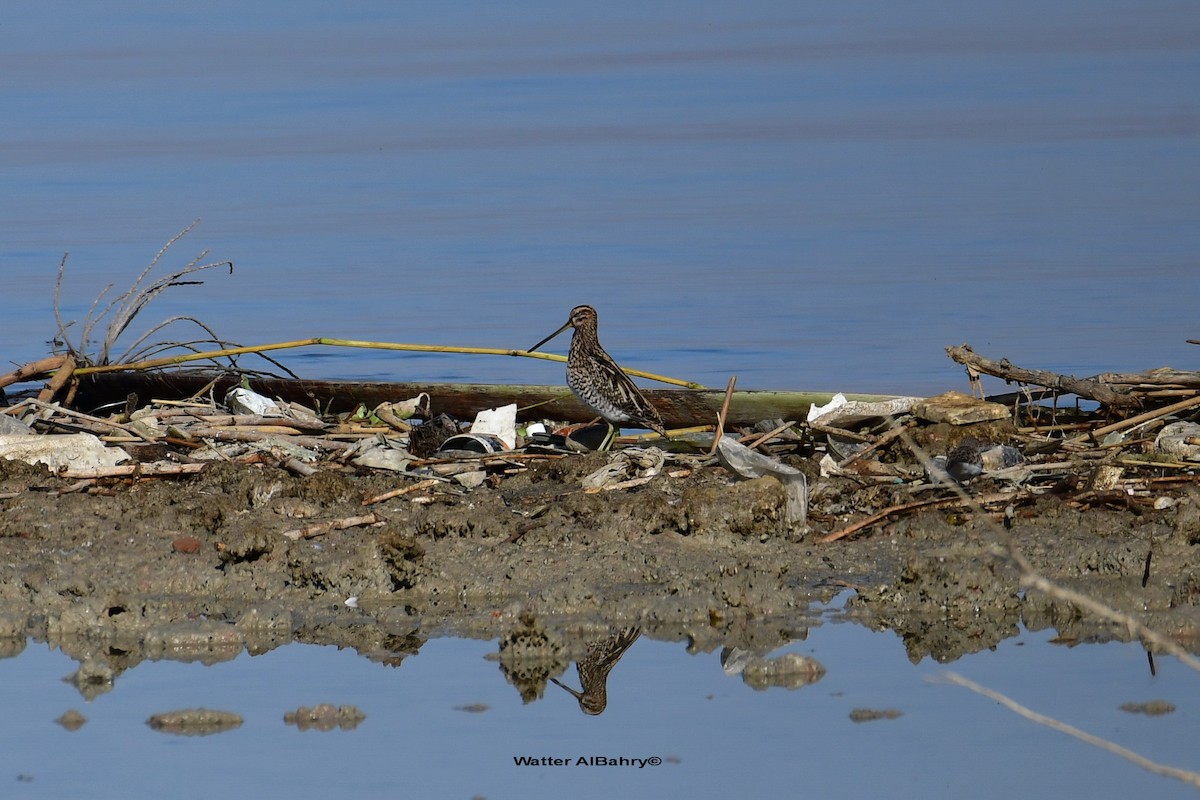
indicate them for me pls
(597, 380)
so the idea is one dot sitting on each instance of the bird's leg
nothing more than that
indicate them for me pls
(613, 433)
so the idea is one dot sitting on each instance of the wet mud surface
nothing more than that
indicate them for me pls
(199, 568)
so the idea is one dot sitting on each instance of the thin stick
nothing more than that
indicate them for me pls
(830, 430)
(1165, 411)
(940, 502)
(416, 487)
(130, 429)
(883, 439)
(1184, 775)
(238, 435)
(724, 412)
(327, 341)
(766, 437)
(322, 528)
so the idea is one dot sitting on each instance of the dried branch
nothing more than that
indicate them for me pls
(1084, 387)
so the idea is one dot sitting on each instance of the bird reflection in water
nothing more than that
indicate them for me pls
(593, 669)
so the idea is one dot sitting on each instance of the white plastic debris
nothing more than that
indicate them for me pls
(846, 413)
(406, 409)
(815, 411)
(500, 422)
(382, 457)
(244, 401)
(747, 463)
(76, 451)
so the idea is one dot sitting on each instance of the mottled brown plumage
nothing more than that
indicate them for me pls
(597, 380)
(594, 667)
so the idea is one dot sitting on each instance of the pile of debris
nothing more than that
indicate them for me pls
(1128, 441)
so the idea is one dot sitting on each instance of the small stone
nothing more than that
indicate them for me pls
(1153, 708)
(324, 717)
(194, 721)
(473, 708)
(72, 720)
(872, 714)
(186, 544)
(790, 671)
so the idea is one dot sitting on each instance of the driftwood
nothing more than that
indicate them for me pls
(1091, 388)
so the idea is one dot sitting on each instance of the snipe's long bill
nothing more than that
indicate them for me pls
(597, 380)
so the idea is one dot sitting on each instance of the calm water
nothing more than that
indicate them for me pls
(808, 195)
(717, 737)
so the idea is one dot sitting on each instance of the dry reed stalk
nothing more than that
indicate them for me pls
(724, 412)
(326, 341)
(58, 409)
(62, 376)
(33, 369)
(121, 311)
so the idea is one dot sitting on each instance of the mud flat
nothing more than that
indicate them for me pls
(201, 567)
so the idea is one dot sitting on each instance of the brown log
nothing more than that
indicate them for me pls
(679, 407)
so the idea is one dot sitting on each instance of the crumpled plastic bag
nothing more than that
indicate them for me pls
(244, 401)
(747, 463)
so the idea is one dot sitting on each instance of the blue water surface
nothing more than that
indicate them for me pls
(807, 195)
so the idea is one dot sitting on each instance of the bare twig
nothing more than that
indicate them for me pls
(416, 487)
(766, 437)
(130, 429)
(940, 502)
(883, 439)
(322, 528)
(121, 311)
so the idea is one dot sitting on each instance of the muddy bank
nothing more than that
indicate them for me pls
(200, 568)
